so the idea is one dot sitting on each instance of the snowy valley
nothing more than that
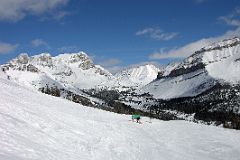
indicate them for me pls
(119, 80)
(204, 86)
(38, 126)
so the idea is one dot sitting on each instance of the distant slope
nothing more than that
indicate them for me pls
(38, 126)
(137, 76)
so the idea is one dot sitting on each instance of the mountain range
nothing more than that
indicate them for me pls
(205, 85)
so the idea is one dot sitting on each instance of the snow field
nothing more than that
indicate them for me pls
(37, 126)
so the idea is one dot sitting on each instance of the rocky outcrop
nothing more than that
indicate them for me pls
(182, 70)
(32, 68)
(54, 91)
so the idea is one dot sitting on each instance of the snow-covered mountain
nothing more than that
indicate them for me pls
(75, 70)
(38, 126)
(207, 81)
(137, 76)
(2, 74)
(217, 63)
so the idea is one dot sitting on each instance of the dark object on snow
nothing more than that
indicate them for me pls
(137, 117)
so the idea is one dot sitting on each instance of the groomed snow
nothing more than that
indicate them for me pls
(41, 127)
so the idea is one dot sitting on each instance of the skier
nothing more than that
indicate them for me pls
(137, 117)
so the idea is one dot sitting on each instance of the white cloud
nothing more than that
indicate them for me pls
(68, 49)
(58, 16)
(110, 62)
(156, 33)
(15, 10)
(232, 19)
(115, 69)
(39, 42)
(6, 48)
(190, 48)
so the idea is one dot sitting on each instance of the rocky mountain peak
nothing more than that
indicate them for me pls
(23, 58)
(139, 75)
(43, 59)
(81, 59)
(210, 54)
(226, 43)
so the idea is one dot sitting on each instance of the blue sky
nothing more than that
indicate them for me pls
(115, 33)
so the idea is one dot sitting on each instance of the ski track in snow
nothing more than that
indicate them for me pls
(41, 127)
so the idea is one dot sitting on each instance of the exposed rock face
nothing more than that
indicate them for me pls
(181, 70)
(86, 62)
(32, 68)
(22, 58)
(86, 65)
(44, 59)
(54, 91)
(160, 75)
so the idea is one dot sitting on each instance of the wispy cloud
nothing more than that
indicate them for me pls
(110, 62)
(39, 42)
(113, 65)
(199, 1)
(15, 10)
(156, 33)
(232, 19)
(187, 50)
(6, 48)
(115, 69)
(68, 49)
(61, 14)
(58, 16)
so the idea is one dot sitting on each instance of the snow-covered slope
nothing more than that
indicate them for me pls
(137, 76)
(37, 126)
(224, 64)
(217, 63)
(2, 74)
(75, 70)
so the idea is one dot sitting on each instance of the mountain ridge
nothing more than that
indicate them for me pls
(216, 62)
